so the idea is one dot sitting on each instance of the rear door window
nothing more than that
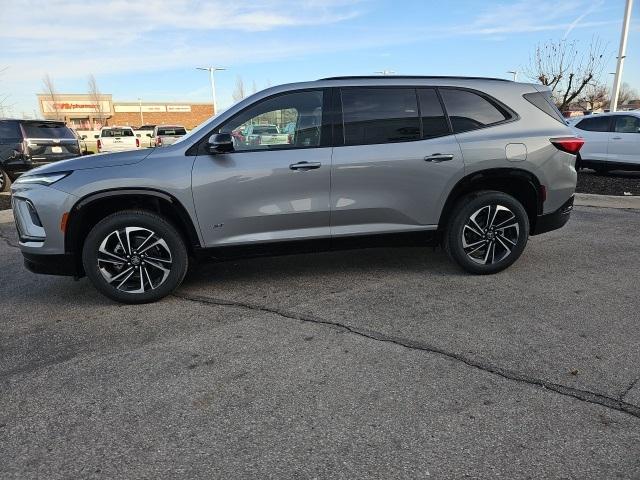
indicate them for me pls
(47, 130)
(434, 123)
(380, 115)
(594, 124)
(470, 111)
(627, 124)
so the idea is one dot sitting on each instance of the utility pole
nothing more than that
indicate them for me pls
(141, 116)
(621, 55)
(515, 74)
(211, 71)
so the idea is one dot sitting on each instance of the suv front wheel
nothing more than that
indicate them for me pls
(487, 232)
(135, 257)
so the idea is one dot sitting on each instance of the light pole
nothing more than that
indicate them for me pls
(621, 54)
(514, 73)
(140, 106)
(385, 72)
(211, 71)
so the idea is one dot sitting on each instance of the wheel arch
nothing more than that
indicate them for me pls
(520, 184)
(89, 210)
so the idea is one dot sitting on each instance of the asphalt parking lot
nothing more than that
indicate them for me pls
(387, 363)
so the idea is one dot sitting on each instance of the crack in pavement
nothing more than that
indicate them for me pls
(629, 388)
(582, 395)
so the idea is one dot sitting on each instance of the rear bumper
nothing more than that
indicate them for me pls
(554, 220)
(64, 264)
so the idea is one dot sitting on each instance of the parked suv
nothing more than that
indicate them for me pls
(26, 144)
(612, 141)
(165, 135)
(476, 164)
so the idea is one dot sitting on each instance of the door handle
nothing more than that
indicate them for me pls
(616, 138)
(439, 157)
(305, 165)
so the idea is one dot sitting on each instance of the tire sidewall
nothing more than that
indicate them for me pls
(135, 219)
(464, 210)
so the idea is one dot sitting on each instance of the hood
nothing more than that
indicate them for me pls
(98, 160)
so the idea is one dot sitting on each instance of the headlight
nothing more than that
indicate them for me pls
(42, 179)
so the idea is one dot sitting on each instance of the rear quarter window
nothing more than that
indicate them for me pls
(544, 102)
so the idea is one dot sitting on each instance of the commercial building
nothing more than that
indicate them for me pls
(91, 112)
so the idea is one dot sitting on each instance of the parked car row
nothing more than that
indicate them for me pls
(26, 144)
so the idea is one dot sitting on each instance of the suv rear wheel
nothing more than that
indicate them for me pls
(4, 181)
(487, 232)
(135, 257)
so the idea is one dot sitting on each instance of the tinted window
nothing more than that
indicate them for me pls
(46, 130)
(117, 132)
(468, 110)
(262, 126)
(594, 124)
(545, 103)
(434, 123)
(175, 131)
(9, 130)
(627, 124)
(380, 115)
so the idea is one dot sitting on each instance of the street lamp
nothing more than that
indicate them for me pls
(621, 55)
(140, 106)
(514, 73)
(211, 71)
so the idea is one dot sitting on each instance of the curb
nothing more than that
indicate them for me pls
(581, 200)
(607, 201)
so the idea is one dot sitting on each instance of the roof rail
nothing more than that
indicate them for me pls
(437, 77)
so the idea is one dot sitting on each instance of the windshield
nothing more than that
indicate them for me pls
(46, 130)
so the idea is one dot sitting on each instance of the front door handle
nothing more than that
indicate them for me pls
(439, 157)
(305, 165)
(616, 138)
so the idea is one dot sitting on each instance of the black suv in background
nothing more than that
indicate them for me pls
(26, 144)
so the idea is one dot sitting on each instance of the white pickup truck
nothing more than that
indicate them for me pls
(117, 139)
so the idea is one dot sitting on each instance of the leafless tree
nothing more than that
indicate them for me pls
(626, 94)
(239, 92)
(4, 97)
(96, 98)
(566, 69)
(594, 96)
(50, 89)
(254, 87)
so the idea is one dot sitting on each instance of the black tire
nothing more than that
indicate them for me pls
(601, 171)
(498, 247)
(158, 277)
(4, 181)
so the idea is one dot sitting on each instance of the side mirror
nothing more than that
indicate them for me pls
(83, 137)
(220, 143)
(149, 135)
(96, 136)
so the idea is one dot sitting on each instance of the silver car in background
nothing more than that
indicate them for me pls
(475, 164)
(165, 135)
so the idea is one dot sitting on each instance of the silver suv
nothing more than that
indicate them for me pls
(473, 163)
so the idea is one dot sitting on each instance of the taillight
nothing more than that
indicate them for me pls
(99, 144)
(289, 139)
(568, 144)
(159, 141)
(137, 143)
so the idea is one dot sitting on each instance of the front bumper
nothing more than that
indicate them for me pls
(63, 264)
(553, 221)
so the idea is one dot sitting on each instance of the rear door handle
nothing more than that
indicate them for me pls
(305, 165)
(616, 138)
(439, 157)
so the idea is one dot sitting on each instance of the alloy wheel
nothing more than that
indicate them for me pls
(490, 234)
(134, 259)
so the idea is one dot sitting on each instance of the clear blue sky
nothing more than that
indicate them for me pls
(150, 49)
